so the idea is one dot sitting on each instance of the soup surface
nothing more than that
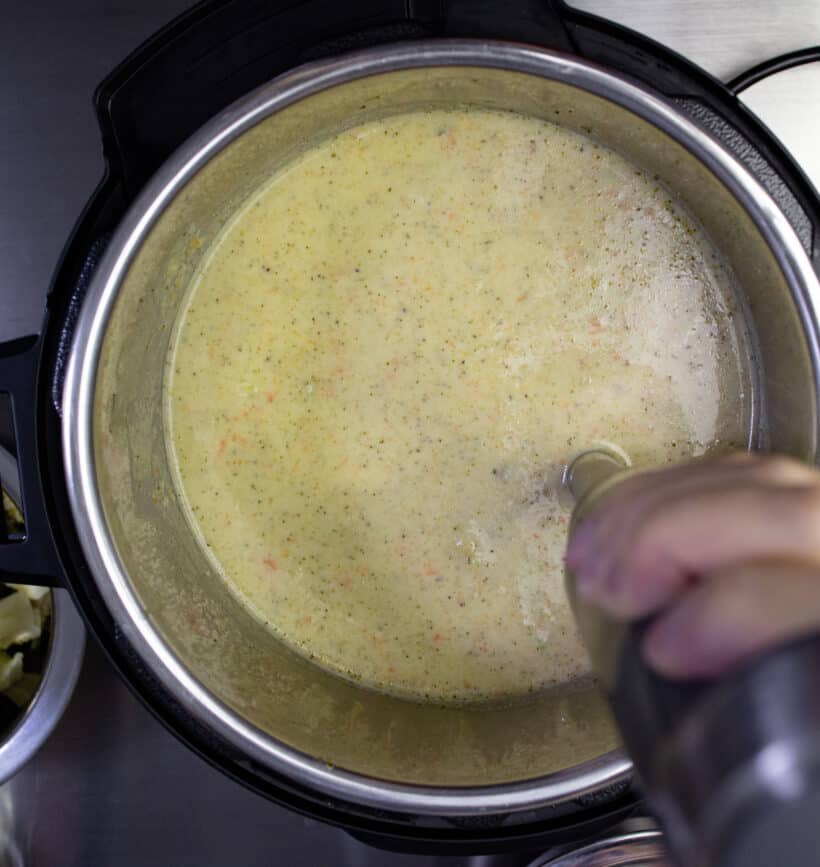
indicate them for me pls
(386, 361)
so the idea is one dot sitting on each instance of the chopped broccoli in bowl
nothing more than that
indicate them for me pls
(25, 614)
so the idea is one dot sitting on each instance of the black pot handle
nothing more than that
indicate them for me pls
(524, 21)
(32, 559)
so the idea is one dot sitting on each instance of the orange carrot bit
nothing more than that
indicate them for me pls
(391, 669)
(271, 563)
(430, 570)
(438, 637)
(536, 535)
(220, 449)
(271, 396)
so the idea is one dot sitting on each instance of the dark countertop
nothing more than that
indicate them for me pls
(54, 55)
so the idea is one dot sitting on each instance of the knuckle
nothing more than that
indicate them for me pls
(737, 458)
(775, 467)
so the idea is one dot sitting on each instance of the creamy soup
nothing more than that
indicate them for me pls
(388, 357)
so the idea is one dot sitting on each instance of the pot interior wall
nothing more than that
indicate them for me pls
(241, 663)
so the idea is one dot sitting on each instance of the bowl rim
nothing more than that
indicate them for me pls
(629, 848)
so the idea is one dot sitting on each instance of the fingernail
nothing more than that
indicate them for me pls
(593, 582)
(585, 583)
(580, 545)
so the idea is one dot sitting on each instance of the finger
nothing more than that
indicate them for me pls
(643, 488)
(601, 541)
(703, 531)
(623, 509)
(734, 614)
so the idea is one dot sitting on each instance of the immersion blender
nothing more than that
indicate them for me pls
(730, 767)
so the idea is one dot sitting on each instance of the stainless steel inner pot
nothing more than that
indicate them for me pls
(225, 669)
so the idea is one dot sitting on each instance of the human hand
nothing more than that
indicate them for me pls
(724, 553)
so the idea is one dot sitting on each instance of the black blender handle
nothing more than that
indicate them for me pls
(736, 783)
(693, 743)
(32, 559)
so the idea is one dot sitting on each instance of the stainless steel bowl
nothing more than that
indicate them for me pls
(635, 848)
(38, 721)
(234, 677)
(64, 660)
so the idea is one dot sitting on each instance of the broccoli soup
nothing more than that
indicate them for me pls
(388, 357)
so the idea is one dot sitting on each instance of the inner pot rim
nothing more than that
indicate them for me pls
(98, 546)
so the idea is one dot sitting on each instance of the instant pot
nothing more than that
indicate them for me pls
(192, 123)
